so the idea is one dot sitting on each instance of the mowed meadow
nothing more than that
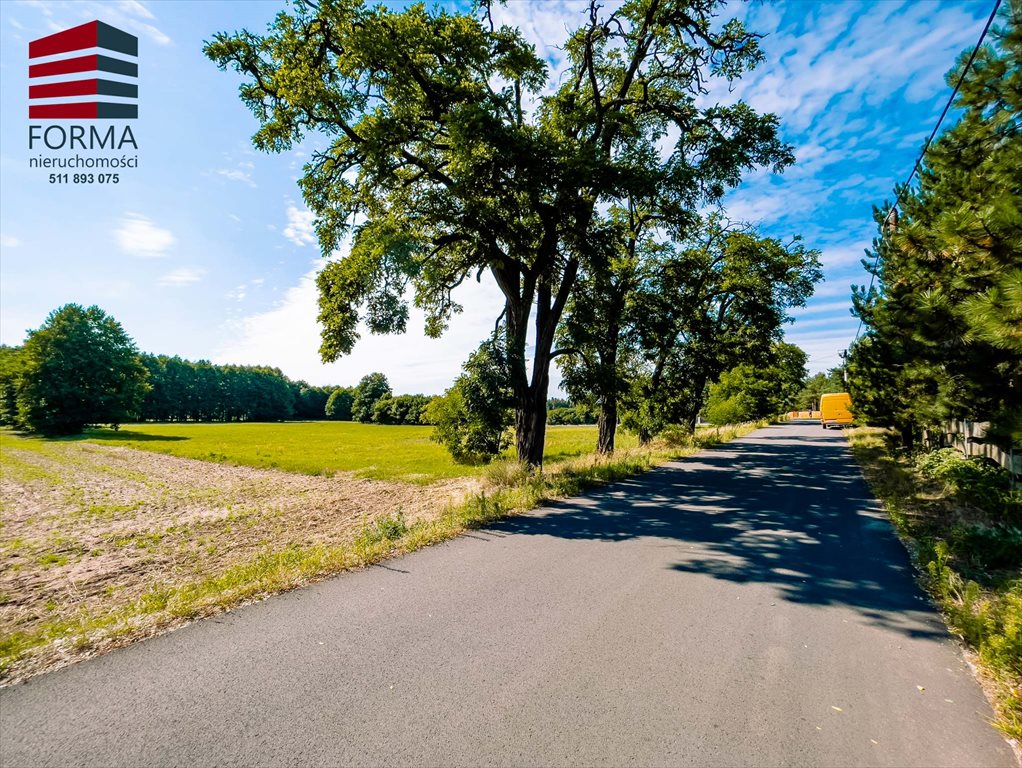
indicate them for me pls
(115, 535)
(375, 451)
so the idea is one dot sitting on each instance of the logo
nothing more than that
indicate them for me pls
(58, 82)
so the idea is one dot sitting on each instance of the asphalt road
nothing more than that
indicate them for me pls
(749, 606)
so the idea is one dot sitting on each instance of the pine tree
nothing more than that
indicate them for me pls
(944, 325)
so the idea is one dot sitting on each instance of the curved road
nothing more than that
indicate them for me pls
(749, 606)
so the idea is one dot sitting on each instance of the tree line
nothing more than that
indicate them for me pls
(81, 368)
(594, 207)
(942, 322)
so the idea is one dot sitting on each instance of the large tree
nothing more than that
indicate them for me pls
(366, 393)
(707, 305)
(449, 163)
(592, 357)
(78, 368)
(943, 325)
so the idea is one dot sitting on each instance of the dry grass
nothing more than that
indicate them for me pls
(981, 604)
(89, 530)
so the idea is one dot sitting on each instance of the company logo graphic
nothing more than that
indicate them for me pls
(57, 82)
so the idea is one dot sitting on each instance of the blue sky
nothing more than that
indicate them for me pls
(206, 250)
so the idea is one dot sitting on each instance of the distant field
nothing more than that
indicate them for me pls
(326, 447)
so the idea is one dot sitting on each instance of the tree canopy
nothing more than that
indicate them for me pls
(749, 392)
(448, 161)
(369, 390)
(78, 368)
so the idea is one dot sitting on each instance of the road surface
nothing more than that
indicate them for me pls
(749, 606)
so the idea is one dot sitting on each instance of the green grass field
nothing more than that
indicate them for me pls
(325, 447)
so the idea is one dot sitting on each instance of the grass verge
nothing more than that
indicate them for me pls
(949, 540)
(508, 488)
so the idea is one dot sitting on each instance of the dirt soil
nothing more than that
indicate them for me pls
(87, 528)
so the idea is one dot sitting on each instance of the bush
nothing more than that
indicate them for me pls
(575, 414)
(731, 410)
(677, 436)
(388, 528)
(403, 409)
(988, 547)
(472, 417)
(977, 478)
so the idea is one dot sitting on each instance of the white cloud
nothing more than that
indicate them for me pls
(181, 277)
(9, 241)
(828, 307)
(234, 174)
(131, 15)
(834, 257)
(287, 336)
(299, 226)
(824, 348)
(138, 236)
(135, 7)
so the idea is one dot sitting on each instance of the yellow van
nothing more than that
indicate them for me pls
(834, 410)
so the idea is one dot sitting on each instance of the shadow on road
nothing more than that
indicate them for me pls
(782, 507)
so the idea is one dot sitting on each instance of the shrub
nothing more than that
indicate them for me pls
(988, 547)
(676, 436)
(574, 414)
(730, 410)
(979, 479)
(386, 528)
(471, 418)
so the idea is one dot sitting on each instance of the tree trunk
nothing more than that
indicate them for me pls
(644, 435)
(690, 422)
(607, 423)
(530, 428)
(608, 378)
(908, 434)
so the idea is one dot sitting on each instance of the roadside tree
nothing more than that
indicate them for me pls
(942, 326)
(716, 302)
(449, 162)
(748, 392)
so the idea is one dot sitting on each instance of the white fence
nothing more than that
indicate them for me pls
(969, 437)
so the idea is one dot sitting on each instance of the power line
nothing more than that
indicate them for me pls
(926, 146)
